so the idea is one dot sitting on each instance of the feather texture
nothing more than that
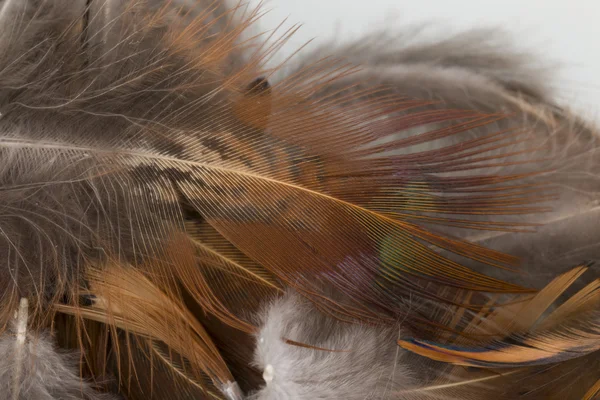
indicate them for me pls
(32, 368)
(162, 180)
(340, 360)
(482, 70)
(531, 351)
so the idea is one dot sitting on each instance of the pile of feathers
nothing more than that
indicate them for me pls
(184, 217)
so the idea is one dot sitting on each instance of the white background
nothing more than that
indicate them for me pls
(566, 32)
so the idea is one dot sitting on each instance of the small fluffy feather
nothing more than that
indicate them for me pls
(31, 368)
(349, 362)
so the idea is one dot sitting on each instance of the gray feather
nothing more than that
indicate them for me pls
(352, 362)
(484, 70)
(31, 367)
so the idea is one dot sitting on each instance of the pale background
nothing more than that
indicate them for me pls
(564, 31)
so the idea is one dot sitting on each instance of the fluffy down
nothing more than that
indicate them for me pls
(32, 368)
(345, 362)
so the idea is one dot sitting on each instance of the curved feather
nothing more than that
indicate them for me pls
(259, 190)
(562, 345)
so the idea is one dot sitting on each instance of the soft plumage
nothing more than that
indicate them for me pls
(163, 182)
(32, 368)
(340, 360)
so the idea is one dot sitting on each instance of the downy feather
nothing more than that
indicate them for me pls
(31, 367)
(339, 360)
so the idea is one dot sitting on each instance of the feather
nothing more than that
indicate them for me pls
(32, 368)
(557, 350)
(220, 169)
(341, 360)
(482, 70)
(162, 182)
(121, 293)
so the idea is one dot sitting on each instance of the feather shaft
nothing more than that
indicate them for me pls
(22, 318)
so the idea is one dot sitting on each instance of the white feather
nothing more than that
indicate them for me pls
(362, 362)
(32, 369)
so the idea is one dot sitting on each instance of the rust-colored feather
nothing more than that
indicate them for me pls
(560, 345)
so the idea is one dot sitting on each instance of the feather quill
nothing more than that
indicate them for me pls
(32, 368)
